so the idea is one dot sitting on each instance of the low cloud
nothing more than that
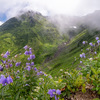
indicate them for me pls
(1, 23)
(49, 7)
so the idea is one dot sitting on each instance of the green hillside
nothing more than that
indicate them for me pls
(35, 31)
(53, 51)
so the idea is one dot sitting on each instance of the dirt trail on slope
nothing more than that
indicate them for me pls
(61, 48)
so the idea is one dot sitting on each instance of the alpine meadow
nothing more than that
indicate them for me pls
(45, 57)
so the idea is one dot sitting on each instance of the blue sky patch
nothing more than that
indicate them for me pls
(3, 17)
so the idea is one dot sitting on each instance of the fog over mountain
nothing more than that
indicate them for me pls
(49, 7)
(65, 23)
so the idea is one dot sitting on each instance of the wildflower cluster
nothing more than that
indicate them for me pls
(28, 50)
(91, 49)
(5, 64)
(91, 44)
(20, 77)
(6, 54)
(31, 57)
(18, 64)
(4, 81)
(98, 41)
(54, 93)
(82, 55)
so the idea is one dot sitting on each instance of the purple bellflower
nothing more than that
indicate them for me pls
(18, 64)
(1, 68)
(26, 47)
(54, 93)
(3, 80)
(35, 69)
(32, 57)
(32, 63)
(9, 80)
(97, 38)
(28, 68)
(91, 44)
(84, 42)
(98, 42)
(7, 53)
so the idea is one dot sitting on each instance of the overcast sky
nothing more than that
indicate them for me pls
(10, 8)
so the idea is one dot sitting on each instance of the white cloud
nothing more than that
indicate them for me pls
(1, 23)
(48, 7)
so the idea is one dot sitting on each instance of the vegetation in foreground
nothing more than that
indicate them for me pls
(22, 80)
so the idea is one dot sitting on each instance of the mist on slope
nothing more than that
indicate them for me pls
(67, 24)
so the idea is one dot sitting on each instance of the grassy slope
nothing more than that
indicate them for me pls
(66, 58)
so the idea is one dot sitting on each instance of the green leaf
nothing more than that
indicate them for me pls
(96, 99)
(94, 71)
(17, 96)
